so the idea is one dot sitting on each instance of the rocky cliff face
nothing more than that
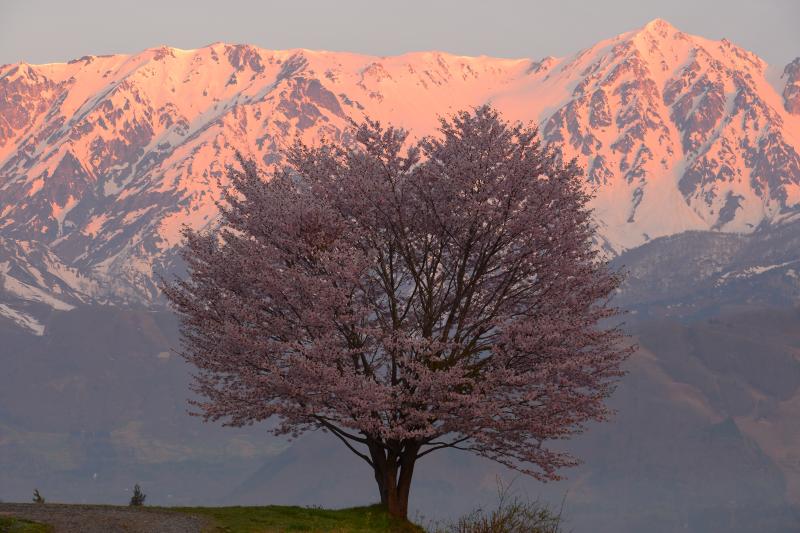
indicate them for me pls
(791, 91)
(104, 158)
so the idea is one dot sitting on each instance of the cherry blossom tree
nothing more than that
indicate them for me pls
(406, 298)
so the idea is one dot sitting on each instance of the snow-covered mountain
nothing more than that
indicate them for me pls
(104, 158)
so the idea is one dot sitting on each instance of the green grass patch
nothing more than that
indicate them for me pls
(275, 518)
(9, 524)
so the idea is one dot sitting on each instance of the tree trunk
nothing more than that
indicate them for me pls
(393, 473)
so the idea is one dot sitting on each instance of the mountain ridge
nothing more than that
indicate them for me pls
(104, 158)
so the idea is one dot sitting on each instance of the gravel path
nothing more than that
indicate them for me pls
(106, 518)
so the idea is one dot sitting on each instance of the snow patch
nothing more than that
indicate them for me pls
(754, 271)
(22, 319)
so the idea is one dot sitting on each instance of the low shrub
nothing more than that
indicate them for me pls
(138, 497)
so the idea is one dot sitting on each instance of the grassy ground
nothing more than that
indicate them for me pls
(17, 525)
(278, 518)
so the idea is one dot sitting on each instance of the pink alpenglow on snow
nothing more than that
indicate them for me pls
(103, 159)
(407, 297)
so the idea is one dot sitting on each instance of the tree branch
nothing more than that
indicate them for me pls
(343, 436)
(442, 445)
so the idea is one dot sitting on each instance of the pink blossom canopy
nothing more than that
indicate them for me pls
(407, 296)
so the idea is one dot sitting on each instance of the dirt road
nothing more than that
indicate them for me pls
(106, 518)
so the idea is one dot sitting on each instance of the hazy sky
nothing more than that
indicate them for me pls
(48, 31)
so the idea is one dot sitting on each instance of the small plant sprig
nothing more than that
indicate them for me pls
(512, 515)
(138, 497)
